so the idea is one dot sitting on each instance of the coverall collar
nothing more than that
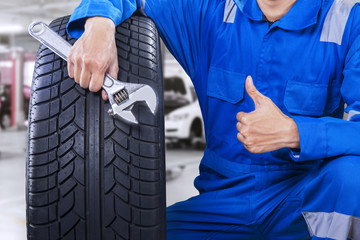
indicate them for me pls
(304, 13)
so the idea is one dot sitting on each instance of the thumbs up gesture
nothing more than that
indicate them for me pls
(265, 129)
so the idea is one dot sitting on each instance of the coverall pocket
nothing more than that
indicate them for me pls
(226, 85)
(311, 99)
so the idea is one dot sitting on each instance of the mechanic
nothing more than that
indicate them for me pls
(280, 162)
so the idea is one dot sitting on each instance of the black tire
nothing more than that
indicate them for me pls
(90, 176)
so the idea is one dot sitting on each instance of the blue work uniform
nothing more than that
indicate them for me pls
(308, 64)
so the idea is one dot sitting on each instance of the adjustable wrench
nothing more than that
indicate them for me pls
(122, 95)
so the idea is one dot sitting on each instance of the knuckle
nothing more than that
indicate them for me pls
(94, 86)
(98, 64)
(77, 58)
(70, 57)
(244, 131)
(238, 115)
(238, 126)
(252, 149)
(84, 84)
(86, 60)
(244, 119)
(267, 99)
(248, 142)
(239, 137)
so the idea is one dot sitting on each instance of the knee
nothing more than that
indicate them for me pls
(343, 172)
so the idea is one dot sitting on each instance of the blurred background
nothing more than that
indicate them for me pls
(183, 123)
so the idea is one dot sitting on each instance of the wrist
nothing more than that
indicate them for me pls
(293, 139)
(99, 24)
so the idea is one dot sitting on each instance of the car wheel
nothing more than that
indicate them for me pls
(91, 176)
(195, 134)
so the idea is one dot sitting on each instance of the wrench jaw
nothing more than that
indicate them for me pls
(149, 96)
(127, 115)
(123, 113)
(121, 110)
(142, 93)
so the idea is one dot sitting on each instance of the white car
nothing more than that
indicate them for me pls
(183, 120)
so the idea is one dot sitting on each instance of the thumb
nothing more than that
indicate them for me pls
(255, 95)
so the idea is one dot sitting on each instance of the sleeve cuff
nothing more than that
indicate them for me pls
(312, 133)
(86, 9)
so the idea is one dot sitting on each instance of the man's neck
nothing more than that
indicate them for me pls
(275, 9)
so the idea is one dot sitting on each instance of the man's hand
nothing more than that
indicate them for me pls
(94, 54)
(266, 129)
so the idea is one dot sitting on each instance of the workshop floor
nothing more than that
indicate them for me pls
(182, 168)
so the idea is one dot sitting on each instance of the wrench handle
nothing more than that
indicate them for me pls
(44, 34)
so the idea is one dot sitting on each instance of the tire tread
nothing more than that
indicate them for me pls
(130, 167)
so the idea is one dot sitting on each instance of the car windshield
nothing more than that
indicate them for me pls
(174, 94)
(174, 84)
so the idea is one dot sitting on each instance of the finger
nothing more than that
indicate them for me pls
(70, 67)
(71, 70)
(85, 78)
(239, 116)
(257, 149)
(104, 95)
(77, 71)
(113, 70)
(70, 64)
(96, 82)
(243, 118)
(238, 126)
(255, 95)
(241, 138)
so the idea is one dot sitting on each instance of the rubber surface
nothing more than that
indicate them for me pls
(90, 176)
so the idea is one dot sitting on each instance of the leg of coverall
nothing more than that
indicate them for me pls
(221, 211)
(327, 200)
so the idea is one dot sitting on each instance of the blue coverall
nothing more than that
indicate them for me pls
(308, 64)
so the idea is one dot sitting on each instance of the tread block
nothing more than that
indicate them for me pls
(66, 117)
(42, 184)
(42, 215)
(145, 188)
(146, 218)
(145, 163)
(43, 198)
(66, 204)
(145, 202)
(121, 228)
(44, 170)
(41, 159)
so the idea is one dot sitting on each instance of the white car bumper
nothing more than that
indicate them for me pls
(177, 129)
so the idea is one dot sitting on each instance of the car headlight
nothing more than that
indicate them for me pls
(177, 117)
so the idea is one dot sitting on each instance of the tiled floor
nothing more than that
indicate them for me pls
(182, 168)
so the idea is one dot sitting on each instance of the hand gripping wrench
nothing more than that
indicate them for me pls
(122, 96)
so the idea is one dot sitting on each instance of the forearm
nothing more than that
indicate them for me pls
(327, 137)
(115, 10)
